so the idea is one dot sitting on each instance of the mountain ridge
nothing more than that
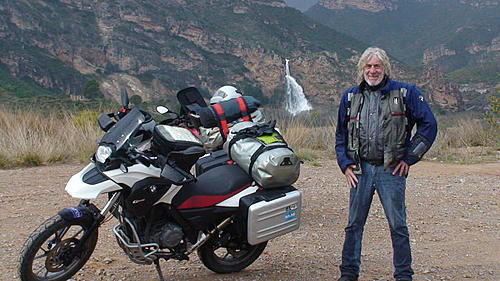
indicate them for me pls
(155, 48)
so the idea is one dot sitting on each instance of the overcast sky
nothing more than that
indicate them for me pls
(302, 5)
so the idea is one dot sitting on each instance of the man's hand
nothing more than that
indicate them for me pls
(402, 168)
(352, 180)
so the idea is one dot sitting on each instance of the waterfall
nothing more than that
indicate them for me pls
(296, 102)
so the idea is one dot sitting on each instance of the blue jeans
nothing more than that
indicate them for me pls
(391, 191)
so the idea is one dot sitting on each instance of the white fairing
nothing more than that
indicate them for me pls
(234, 201)
(172, 191)
(135, 173)
(77, 188)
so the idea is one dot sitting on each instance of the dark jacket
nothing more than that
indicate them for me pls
(417, 112)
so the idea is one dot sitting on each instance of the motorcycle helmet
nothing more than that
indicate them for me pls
(225, 93)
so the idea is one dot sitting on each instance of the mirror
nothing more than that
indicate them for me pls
(162, 109)
(124, 97)
(105, 122)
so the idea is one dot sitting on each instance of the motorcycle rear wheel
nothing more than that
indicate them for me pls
(46, 255)
(223, 259)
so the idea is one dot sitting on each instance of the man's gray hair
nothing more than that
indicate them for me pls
(367, 54)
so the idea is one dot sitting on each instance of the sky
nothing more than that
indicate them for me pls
(302, 5)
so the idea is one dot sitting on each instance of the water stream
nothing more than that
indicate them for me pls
(296, 101)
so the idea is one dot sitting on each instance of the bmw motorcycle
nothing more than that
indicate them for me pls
(163, 211)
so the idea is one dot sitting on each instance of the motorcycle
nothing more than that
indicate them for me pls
(163, 210)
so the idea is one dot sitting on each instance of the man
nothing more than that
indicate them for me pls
(375, 149)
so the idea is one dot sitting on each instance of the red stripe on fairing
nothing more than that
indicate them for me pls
(201, 201)
(398, 114)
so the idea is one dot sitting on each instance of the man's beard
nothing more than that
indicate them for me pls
(377, 82)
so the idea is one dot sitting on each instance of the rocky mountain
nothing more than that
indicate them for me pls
(154, 48)
(451, 35)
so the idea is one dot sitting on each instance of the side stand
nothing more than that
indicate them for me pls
(158, 269)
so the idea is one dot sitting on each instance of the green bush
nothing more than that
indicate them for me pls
(85, 118)
(31, 159)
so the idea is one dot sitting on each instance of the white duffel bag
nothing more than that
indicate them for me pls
(261, 151)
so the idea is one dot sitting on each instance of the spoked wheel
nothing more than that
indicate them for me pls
(48, 253)
(231, 257)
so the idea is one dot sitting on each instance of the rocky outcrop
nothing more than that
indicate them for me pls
(382, 5)
(475, 48)
(367, 5)
(439, 90)
(436, 53)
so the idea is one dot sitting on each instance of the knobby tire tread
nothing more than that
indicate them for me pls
(208, 258)
(24, 269)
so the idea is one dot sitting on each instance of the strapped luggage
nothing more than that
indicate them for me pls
(261, 151)
(228, 111)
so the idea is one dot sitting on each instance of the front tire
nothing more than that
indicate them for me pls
(47, 255)
(227, 259)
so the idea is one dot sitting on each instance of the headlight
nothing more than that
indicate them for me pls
(103, 152)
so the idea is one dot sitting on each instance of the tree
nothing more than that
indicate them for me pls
(91, 90)
(136, 100)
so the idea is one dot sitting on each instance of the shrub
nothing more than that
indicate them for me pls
(85, 118)
(31, 159)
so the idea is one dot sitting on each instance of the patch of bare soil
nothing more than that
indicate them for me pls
(453, 215)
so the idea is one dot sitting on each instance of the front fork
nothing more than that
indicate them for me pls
(89, 216)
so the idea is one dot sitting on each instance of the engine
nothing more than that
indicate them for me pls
(167, 235)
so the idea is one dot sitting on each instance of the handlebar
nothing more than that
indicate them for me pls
(141, 157)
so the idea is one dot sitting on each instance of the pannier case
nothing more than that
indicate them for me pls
(270, 163)
(271, 214)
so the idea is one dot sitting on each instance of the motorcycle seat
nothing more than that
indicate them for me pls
(212, 187)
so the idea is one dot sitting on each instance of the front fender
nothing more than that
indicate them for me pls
(80, 215)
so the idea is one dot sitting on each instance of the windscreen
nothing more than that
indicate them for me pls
(123, 129)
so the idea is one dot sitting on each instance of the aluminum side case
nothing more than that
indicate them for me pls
(272, 213)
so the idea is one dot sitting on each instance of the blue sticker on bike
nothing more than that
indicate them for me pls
(290, 215)
(77, 213)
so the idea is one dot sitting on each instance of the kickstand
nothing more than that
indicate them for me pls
(158, 269)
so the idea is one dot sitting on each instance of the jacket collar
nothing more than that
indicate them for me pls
(384, 87)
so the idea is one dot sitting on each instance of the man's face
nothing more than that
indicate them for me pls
(373, 71)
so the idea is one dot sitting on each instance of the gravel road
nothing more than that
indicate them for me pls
(453, 213)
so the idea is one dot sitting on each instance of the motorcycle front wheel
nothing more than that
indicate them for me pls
(227, 258)
(47, 254)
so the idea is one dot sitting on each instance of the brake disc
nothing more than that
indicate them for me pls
(61, 255)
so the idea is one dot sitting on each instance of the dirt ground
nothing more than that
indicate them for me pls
(453, 216)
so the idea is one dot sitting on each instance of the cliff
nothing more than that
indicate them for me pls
(155, 48)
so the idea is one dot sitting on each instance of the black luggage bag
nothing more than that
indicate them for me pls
(215, 159)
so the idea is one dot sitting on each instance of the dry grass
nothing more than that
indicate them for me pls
(470, 141)
(31, 138)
